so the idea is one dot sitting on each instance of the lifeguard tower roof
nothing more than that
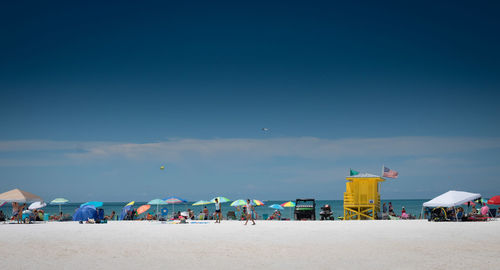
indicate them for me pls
(364, 175)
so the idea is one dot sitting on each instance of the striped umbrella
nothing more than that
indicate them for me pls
(202, 202)
(257, 202)
(289, 204)
(157, 202)
(174, 200)
(59, 201)
(238, 203)
(221, 199)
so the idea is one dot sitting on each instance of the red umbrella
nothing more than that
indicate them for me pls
(494, 200)
(471, 203)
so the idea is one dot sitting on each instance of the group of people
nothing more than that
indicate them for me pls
(388, 210)
(17, 211)
(275, 216)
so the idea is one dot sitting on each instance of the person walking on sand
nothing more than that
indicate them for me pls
(391, 209)
(250, 211)
(217, 211)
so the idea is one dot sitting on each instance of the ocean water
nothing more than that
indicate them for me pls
(412, 206)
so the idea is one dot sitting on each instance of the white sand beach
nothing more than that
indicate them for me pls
(268, 245)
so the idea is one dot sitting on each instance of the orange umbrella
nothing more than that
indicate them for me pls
(143, 209)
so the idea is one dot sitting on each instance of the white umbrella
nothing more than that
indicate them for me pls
(37, 205)
(59, 201)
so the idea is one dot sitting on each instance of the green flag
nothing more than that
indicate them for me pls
(353, 172)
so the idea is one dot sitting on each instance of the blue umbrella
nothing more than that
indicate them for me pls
(277, 206)
(95, 204)
(124, 211)
(84, 213)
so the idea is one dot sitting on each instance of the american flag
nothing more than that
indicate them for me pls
(390, 173)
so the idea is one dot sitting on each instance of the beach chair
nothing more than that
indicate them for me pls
(231, 215)
(394, 218)
(492, 213)
(265, 216)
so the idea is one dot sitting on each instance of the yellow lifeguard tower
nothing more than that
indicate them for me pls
(361, 198)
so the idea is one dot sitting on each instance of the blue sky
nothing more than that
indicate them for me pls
(95, 98)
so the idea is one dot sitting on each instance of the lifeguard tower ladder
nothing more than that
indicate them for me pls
(362, 198)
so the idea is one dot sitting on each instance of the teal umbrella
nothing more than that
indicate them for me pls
(94, 203)
(277, 206)
(157, 202)
(59, 201)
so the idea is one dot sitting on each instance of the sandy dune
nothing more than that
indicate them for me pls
(268, 245)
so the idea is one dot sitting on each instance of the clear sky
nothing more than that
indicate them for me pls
(95, 97)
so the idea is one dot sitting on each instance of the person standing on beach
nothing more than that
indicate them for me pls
(217, 211)
(391, 209)
(384, 208)
(250, 211)
(15, 210)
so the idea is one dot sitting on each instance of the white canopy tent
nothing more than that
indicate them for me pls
(452, 198)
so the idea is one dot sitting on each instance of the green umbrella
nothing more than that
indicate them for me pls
(157, 202)
(59, 201)
(238, 203)
(221, 199)
(202, 202)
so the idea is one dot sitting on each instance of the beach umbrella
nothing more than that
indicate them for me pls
(130, 203)
(93, 203)
(221, 199)
(85, 212)
(289, 204)
(17, 195)
(2, 203)
(174, 200)
(125, 209)
(238, 203)
(157, 202)
(202, 202)
(59, 201)
(257, 202)
(143, 209)
(494, 200)
(36, 205)
(277, 207)
(471, 203)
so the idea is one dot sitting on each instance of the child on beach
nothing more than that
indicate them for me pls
(205, 212)
(250, 211)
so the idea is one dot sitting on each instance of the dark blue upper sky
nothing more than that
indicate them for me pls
(148, 71)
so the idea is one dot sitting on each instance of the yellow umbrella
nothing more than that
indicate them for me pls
(130, 203)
